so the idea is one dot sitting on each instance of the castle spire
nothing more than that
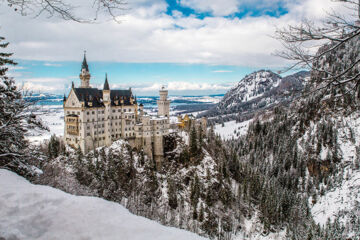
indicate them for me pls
(84, 63)
(106, 84)
(85, 75)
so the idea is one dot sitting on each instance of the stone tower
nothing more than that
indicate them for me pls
(163, 103)
(107, 104)
(85, 74)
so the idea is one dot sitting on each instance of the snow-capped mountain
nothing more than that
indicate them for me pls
(260, 90)
(251, 87)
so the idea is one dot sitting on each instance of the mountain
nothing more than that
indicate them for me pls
(260, 90)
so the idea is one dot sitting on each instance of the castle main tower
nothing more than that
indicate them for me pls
(163, 103)
(85, 74)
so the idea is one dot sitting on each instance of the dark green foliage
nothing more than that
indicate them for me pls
(193, 143)
(172, 194)
(53, 147)
(14, 153)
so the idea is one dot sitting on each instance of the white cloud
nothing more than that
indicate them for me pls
(44, 84)
(222, 71)
(52, 65)
(223, 8)
(11, 68)
(147, 34)
(184, 86)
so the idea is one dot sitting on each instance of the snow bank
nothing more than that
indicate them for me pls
(30, 211)
(232, 129)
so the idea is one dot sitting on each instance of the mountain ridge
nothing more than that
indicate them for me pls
(260, 90)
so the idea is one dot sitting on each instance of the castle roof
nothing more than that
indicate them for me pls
(84, 63)
(106, 84)
(94, 96)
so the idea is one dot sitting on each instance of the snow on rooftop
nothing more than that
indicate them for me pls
(29, 211)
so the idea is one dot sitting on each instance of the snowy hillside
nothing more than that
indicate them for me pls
(251, 87)
(232, 129)
(258, 91)
(30, 211)
(342, 200)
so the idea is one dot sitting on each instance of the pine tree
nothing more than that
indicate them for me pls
(172, 194)
(193, 143)
(53, 147)
(13, 154)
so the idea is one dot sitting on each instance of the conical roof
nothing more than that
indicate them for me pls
(106, 84)
(84, 63)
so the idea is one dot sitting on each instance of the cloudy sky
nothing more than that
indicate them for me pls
(193, 46)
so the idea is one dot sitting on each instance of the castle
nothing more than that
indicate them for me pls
(95, 118)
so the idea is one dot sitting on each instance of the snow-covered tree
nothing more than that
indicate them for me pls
(13, 154)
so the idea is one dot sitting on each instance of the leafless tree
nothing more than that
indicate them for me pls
(310, 45)
(87, 10)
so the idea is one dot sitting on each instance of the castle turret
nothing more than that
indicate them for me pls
(106, 90)
(163, 103)
(85, 74)
(107, 104)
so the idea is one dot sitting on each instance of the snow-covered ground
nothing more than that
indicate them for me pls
(29, 211)
(343, 197)
(232, 129)
(53, 117)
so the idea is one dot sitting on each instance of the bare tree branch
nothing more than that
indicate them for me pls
(301, 45)
(67, 10)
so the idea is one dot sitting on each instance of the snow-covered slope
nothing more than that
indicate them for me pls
(251, 87)
(343, 199)
(232, 129)
(259, 90)
(30, 211)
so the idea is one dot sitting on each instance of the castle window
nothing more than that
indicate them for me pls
(119, 110)
(113, 111)
(87, 113)
(93, 112)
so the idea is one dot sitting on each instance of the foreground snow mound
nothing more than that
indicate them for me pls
(30, 211)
